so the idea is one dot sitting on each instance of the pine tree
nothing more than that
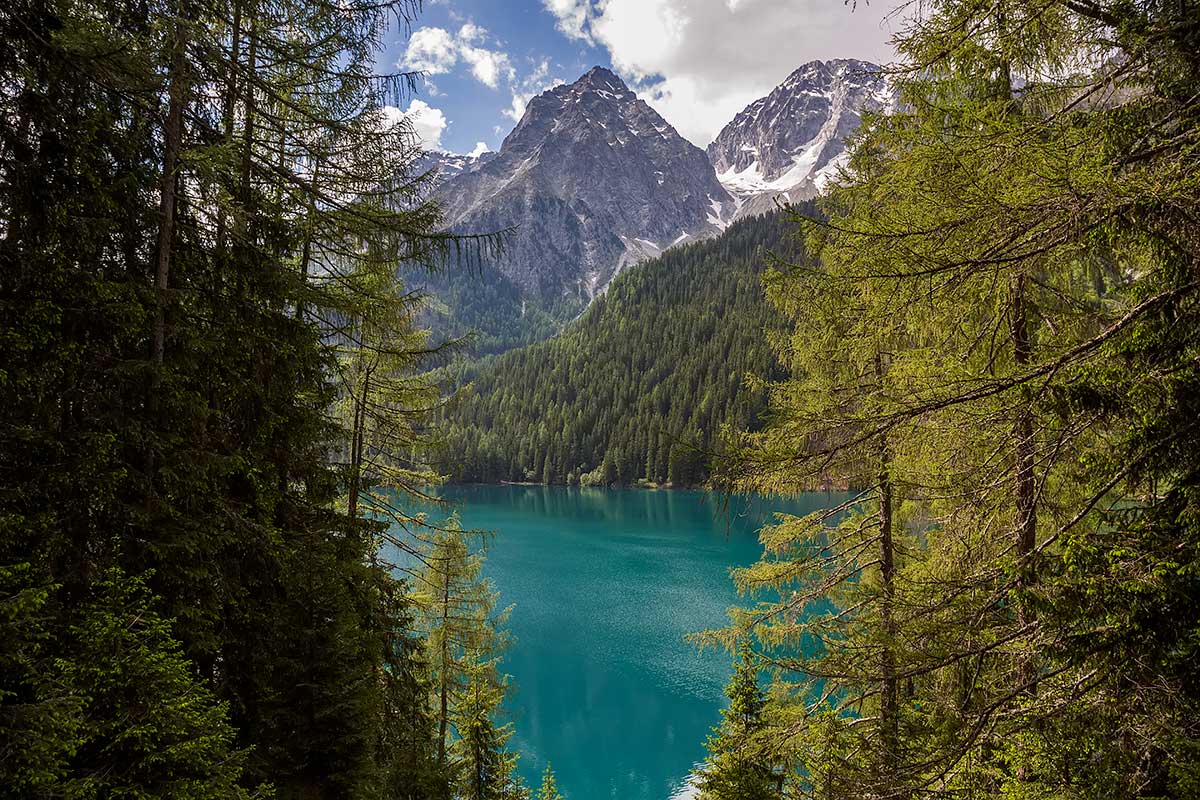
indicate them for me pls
(549, 788)
(738, 766)
(486, 769)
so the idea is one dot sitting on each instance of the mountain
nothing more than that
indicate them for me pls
(449, 165)
(789, 144)
(639, 384)
(591, 180)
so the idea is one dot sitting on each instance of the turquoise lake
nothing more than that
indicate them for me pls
(605, 584)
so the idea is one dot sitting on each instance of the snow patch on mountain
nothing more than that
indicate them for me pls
(791, 144)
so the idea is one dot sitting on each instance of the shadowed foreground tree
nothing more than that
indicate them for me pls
(193, 199)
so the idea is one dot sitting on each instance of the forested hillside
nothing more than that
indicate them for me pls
(481, 306)
(641, 384)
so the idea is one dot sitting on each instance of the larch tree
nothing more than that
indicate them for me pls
(462, 626)
(170, 388)
(1015, 231)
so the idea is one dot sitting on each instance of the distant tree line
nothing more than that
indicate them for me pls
(641, 386)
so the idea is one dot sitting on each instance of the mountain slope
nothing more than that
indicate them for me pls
(788, 144)
(657, 361)
(591, 180)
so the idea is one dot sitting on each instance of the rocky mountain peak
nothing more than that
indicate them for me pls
(601, 79)
(792, 141)
(592, 179)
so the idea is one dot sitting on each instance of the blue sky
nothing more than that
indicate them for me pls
(697, 62)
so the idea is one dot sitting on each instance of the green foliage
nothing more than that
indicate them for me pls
(999, 351)
(640, 387)
(738, 767)
(487, 771)
(549, 788)
(148, 728)
(481, 304)
(39, 714)
(203, 216)
(116, 710)
(463, 630)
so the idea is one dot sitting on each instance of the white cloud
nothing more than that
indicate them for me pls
(470, 32)
(699, 62)
(391, 116)
(541, 72)
(517, 109)
(480, 149)
(435, 51)
(431, 50)
(427, 122)
(571, 17)
(488, 66)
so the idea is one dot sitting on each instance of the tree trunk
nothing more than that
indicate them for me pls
(1025, 487)
(173, 138)
(445, 681)
(306, 250)
(248, 130)
(228, 113)
(356, 446)
(888, 689)
(172, 143)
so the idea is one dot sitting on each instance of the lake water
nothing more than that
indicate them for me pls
(605, 584)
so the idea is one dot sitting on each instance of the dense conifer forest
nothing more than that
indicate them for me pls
(642, 385)
(483, 308)
(212, 397)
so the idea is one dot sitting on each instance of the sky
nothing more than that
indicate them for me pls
(696, 62)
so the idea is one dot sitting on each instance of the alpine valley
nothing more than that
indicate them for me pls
(592, 181)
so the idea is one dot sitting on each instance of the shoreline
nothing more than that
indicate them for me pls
(653, 487)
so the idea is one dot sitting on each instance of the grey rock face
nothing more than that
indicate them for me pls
(446, 165)
(590, 180)
(789, 144)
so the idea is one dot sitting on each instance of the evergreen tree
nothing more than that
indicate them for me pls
(146, 727)
(462, 628)
(219, 176)
(738, 767)
(549, 788)
(486, 769)
(988, 288)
